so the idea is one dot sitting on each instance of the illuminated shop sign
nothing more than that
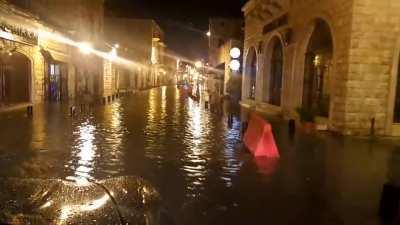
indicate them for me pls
(17, 34)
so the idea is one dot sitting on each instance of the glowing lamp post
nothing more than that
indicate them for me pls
(235, 55)
(234, 65)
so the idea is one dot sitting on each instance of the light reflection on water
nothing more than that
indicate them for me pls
(96, 151)
(232, 164)
(190, 155)
(86, 151)
(155, 125)
(196, 156)
(139, 135)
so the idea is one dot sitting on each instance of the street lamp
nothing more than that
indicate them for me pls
(113, 55)
(235, 52)
(208, 33)
(235, 55)
(234, 65)
(85, 48)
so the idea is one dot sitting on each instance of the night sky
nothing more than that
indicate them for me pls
(184, 22)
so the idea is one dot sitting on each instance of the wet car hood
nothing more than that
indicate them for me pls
(123, 200)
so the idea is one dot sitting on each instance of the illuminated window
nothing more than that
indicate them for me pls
(54, 69)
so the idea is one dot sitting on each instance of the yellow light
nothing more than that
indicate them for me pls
(234, 65)
(85, 48)
(317, 60)
(198, 64)
(209, 33)
(113, 55)
(116, 45)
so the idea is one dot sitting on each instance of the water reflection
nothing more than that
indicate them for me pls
(86, 151)
(39, 131)
(196, 156)
(191, 155)
(112, 134)
(163, 101)
(155, 130)
(232, 164)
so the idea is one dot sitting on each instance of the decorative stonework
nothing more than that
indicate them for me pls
(364, 34)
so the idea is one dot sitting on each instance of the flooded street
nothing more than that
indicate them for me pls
(194, 159)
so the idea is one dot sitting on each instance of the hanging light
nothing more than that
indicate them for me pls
(234, 65)
(235, 53)
(317, 60)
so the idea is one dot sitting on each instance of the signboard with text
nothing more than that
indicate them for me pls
(17, 34)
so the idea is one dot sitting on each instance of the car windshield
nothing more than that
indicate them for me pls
(199, 112)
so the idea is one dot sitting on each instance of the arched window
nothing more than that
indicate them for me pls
(317, 69)
(251, 73)
(15, 75)
(275, 74)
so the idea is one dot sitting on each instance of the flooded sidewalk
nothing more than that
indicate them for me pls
(194, 158)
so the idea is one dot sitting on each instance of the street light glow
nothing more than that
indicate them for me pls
(85, 48)
(198, 64)
(208, 33)
(235, 52)
(234, 65)
(113, 55)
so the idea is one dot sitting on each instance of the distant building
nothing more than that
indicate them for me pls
(225, 34)
(339, 58)
(141, 41)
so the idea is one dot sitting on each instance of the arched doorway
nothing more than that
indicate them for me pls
(275, 73)
(317, 69)
(251, 74)
(15, 74)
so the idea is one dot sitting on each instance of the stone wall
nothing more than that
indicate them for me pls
(375, 32)
(338, 15)
(366, 48)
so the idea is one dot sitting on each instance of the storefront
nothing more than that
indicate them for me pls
(16, 65)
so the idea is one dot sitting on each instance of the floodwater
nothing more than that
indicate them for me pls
(195, 160)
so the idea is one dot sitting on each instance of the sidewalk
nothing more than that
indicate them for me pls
(14, 107)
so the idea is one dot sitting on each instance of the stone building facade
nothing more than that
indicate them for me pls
(23, 57)
(225, 34)
(338, 56)
(53, 70)
(141, 42)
